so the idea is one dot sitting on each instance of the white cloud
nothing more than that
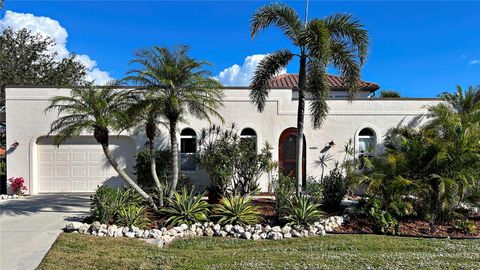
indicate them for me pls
(240, 75)
(52, 28)
(474, 62)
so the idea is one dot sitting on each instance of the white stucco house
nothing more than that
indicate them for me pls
(79, 164)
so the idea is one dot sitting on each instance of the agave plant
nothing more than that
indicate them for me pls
(236, 210)
(133, 216)
(185, 208)
(301, 211)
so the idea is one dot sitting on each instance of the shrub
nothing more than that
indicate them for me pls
(186, 208)
(133, 215)
(314, 190)
(465, 226)
(217, 152)
(301, 211)
(163, 164)
(236, 210)
(18, 185)
(107, 201)
(334, 189)
(284, 189)
(250, 166)
(383, 222)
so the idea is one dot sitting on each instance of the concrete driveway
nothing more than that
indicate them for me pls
(29, 226)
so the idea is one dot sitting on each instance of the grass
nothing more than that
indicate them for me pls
(75, 251)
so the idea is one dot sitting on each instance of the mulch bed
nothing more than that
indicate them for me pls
(415, 228)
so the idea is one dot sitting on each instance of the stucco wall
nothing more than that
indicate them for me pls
(27, 121)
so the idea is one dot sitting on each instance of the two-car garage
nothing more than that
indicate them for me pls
(79, 165)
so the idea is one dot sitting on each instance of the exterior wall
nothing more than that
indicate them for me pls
(27, 122)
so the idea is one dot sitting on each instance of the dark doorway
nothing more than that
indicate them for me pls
(287, 151)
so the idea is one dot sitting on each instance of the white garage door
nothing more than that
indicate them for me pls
(79, 165)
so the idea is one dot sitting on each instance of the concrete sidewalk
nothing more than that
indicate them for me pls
(28, 227)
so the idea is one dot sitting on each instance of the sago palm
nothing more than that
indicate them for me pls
(179, 86)
(97, 110)
(336, 40)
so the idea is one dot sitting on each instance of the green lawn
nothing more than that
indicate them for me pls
(74, 251)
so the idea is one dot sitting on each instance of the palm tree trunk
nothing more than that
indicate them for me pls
(153, 169)
(125, 176)
(300, 120)
(174, 148)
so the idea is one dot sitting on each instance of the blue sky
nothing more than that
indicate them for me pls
(417, 48)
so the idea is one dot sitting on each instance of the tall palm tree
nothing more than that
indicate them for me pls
(144, 113)
(93, 109)
(181, 87)
(338, 40)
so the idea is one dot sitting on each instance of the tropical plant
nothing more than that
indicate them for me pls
(218, 149)
(185, 208)
(323, 163)
(383, 221)
(250, 166)
(176, 85)
(107, 201)
(301, 211)
(338, 40)
(236, 210)
(284, 191)
(97, 110)
(466, 226)
(314, 189)
(334, 189)
(389, 94)
(133, 215)
(18, 185)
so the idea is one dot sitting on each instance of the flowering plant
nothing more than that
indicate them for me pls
(18, 185)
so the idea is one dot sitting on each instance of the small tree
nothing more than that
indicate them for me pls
(93, 110)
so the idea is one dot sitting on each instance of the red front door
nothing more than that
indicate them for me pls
(287, 152)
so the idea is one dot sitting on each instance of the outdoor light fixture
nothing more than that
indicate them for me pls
(14, 145)
(331, 143)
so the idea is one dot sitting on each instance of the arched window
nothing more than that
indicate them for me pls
(366, 142)
(249, 136)
(188, 149)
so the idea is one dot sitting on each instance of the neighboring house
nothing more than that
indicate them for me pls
(79, 164)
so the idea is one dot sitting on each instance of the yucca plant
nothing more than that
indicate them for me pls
(133, 215)
(301, 211)
(236, 210)
(185, 208)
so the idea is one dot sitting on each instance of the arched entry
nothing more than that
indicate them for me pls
(287, 151)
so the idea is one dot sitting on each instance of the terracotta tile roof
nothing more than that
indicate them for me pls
(336, 83)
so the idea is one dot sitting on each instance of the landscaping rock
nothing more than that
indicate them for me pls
(199, 231)
(119, 232)
(263, 236)
(246, 235)
(125, 230)
(304, 233)
(258, 227)
(208, 232)
(83, 228)
(223, 233)
(276, 229)
(228, 228)
(73, 226)
(146, 234)
(112, 230)
(95, 227)
(184, 227)
(274, 235)
(256, 236)
(286, 229)
(295, 233)
(287, 235)
(267, 228)
(130, 234)
(217, 227)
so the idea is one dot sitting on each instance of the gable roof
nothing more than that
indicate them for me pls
(336, 83)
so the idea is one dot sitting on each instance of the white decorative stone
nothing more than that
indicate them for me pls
(267, 228)
(287, 235)
(274, 235)
(286, 229)
(246, 235)
(199, 231)
(208, 232)
(83, 228)
(119, 232)
(296, 233)
(184, 227)
(216, 227)
(263, 235)
(256, 236)
(130, 234)
(276, 229)
(228, 228)
(258, 227)
(112, 230)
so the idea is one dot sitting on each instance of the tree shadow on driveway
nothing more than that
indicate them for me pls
(73, 204)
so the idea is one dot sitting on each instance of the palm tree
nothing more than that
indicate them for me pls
(93, 109)
(144, 113)
(181, 87)
(338, 40)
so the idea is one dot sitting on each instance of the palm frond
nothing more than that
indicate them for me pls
(283, 16)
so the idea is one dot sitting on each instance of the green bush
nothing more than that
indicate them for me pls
(383, 222)
(163, 165)
(236, 210)
(301, 211)
(284, 190)
(185, 208)
(314, 190)
(465, 226)
(106, 202)
(133, 215)
(334, 188)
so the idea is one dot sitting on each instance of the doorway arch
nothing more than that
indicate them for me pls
(287, 151)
